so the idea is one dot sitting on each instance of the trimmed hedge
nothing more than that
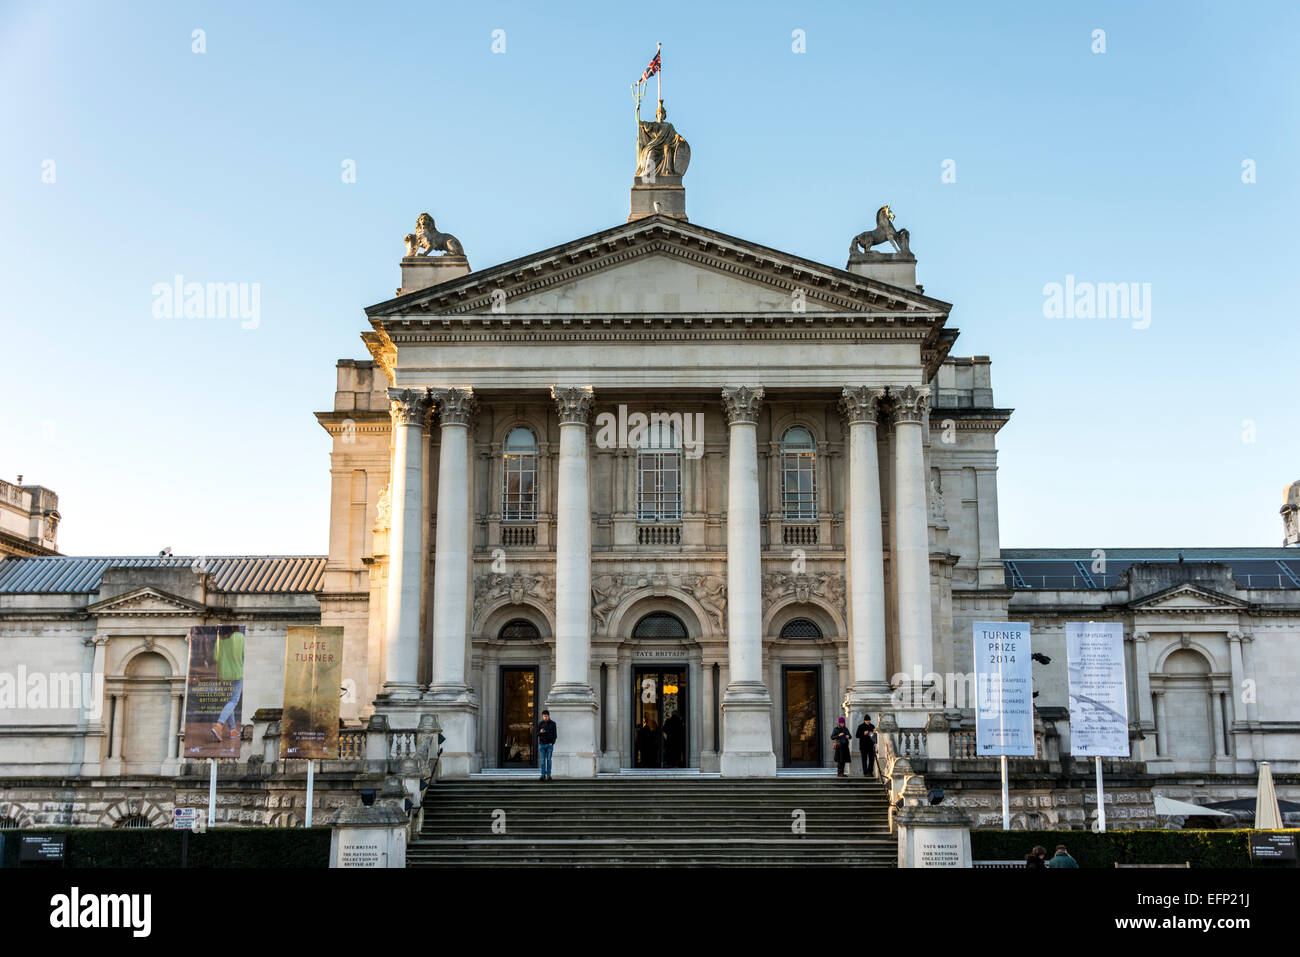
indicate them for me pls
(1221, 848)
(155, 847)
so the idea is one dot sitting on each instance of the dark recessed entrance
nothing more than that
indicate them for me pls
(802, 704)
(517, 718)
(659, 717)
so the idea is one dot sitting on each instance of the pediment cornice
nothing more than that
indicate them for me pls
(146, 601)
(1188, 598)
(834, 289)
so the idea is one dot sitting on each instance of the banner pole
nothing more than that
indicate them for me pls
(1006, 803)
(1101, 801)
(311, 786)
(659, 73)
(212, 795)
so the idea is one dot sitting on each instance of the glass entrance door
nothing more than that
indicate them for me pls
(802, 706)
(517, 718)
(659, 711)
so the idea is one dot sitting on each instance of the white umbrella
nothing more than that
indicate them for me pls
(1168, 807)
(1267, 815)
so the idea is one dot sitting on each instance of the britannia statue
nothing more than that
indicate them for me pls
(660, 149)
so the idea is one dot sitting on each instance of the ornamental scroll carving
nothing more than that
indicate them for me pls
(804, 586)
(608, 591)
(491, 588)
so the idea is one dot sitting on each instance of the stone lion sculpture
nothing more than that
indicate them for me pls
(426, 239)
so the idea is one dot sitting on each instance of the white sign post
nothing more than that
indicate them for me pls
(1004, 696)
(1098, 696)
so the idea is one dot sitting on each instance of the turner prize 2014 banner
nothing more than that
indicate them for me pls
(1004, 689)
(1098, 691)
(214, 691)
(313, 674)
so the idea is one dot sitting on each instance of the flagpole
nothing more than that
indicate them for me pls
(659, 73)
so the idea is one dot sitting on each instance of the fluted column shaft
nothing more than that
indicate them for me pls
(747, 705)
(451, 546)
(912, 563)
(860, 407)
(571, 700)
(402, 629)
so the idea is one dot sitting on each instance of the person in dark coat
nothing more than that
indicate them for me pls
(840, 737)
(675, 737)
(1062, 858)
(1037, 859)
(866, 735)
(546, 735)
(648, 743)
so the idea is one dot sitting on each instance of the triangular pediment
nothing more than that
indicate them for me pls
(145, 601)
(1188, 598)
(659, 265)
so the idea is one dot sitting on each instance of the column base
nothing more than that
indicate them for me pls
(747, 731)
(457, 709)
(869, 697)
(573, 709)
(397, 692)
(403, 713)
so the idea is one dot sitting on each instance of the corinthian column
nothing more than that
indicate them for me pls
(912, 563)
(402, 628)
(860, 407)
(452, 699)
(746, 705)
(572, 702)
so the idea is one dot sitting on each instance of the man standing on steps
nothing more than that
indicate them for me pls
(866, 735)
(546, 743)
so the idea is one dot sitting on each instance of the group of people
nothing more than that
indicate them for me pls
(841, 739)
(668, 742)
(1037, 858)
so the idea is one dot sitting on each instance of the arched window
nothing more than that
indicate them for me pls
(799, 475)
(519, 629)
(133, 821)
(801, 628)
(659, 472)
(659, 624)
(519, 494)
(8, 824)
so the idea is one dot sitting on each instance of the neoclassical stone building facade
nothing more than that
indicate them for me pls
(658, 457)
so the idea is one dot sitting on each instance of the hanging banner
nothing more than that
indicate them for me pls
(313, 678)
(1098, 691)
(1004, 689)
(214, 691)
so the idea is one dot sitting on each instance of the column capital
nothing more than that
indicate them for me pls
(741, 403)
(408, 406)
(861, 403)
(573, 403)
(1234, 636)
(1141, 636)
(455, 406)
(910, 404)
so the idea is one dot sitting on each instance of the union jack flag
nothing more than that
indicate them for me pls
(652, 69)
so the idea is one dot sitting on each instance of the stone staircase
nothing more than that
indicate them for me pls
(625, 821)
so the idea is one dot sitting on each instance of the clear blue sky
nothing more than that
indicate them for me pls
(226, 166)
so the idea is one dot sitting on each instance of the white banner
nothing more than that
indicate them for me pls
(1004, 689)
(1098, 692)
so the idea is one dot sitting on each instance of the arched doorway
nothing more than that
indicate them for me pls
(517, 696)
(660, 698)
(1189, 722)
(147, 699)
